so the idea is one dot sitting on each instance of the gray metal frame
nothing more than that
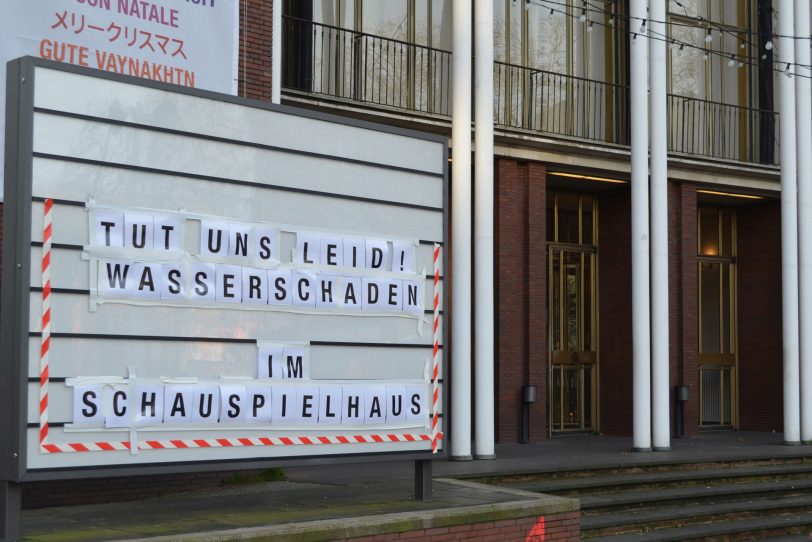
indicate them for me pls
(16, 284)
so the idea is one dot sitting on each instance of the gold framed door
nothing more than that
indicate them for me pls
(573, 355)
(716, 276)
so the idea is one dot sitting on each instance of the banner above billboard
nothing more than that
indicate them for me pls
(192, 43)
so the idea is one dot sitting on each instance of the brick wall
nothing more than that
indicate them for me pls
(549, 528)
(521, 296)
(615, 313)
(759, 314)
(684, 337)
(255, 49)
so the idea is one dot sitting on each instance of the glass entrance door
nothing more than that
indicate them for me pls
(572, 283)
(717, 318)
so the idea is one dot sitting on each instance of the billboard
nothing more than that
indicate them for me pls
(202, 282)
(192, 43)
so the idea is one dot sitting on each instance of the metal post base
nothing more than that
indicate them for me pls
(422, 480)
(10, 510)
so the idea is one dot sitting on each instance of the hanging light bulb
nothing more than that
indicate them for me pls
(673, 44)
(612, 20)
(589, 28)
(741, 45)
(582, 18)
(705, 55)
(527, 5)
(709, 36)
(731, 62)
(769, 45)
(764, 56)
(740, 64)
(643, 27)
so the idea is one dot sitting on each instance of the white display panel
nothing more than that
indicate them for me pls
(209, 254)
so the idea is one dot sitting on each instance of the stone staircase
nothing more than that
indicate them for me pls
(737, 500)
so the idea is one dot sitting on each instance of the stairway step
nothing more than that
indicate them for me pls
(626, 518)
(626, 498)
(694, 532)
(647, 477)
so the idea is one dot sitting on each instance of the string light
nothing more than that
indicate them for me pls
(582, 18)
(706, 52)
(769, 45)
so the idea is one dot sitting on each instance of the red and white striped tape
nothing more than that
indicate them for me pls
(45, 340)
(435, 417)
(236, 442)
(47, 447)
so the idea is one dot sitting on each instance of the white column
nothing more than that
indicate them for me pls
(789, 224)
(276, 52)
(803, 105)
(660, 389)
(483, 229)
(641, 338)
(461, 232)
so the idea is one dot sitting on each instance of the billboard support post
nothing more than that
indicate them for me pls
(10, 507)
(422, 480)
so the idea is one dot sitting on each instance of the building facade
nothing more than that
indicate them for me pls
(563, 315)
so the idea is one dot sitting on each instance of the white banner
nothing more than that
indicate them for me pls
(193, 43)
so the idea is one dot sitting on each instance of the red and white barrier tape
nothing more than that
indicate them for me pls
(45, 340)
(46, 447)
(236, 442)
(435, 418)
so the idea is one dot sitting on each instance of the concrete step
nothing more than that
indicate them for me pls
(610, 481)
(760, 526)
(604, 502)
(665, 516)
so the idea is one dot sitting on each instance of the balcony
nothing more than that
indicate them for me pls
(344, 65)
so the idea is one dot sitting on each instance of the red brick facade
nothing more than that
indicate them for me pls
(255, 49)
(759, 314)
(521, 294)
(551, 528)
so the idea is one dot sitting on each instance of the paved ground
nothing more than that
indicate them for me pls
(358, 492)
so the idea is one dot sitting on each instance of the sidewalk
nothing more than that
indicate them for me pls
(354, 497)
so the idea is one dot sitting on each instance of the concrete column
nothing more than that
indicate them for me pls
(276, 53)
(803, 105)
(789, 224)
(483, 229)
(660, 388)
(641, 338)
(461, 232)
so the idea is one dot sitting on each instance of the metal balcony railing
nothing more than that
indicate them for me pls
(559, 104)
(329, 61)
(335, 62)
(717, 130)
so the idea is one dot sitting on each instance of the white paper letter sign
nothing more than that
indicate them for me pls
(327, 292)
(332, 251)
(416, 410)
(88, 406)
(229, 283)
(254, 286)
(375, 412)
(233, 404)
(178, 404)
(266, 244)
(353, 405)
(412, 295)
(395, 404)
(214, 238)
(260, 402)
(116, 407)
(355, 252)
(296, 363)
(138, 231)
(149, 405)
(109, 229)
(284, 408)
(206, 404)
(402, 256)
(167, 233)
(173, 283)
(304, 289)
(329, 405)
(203, 282)
(270, 361)
(352, 294)
(279, 287)
(308, 248)
(307, 401)
(377, 254)
(116, 279)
